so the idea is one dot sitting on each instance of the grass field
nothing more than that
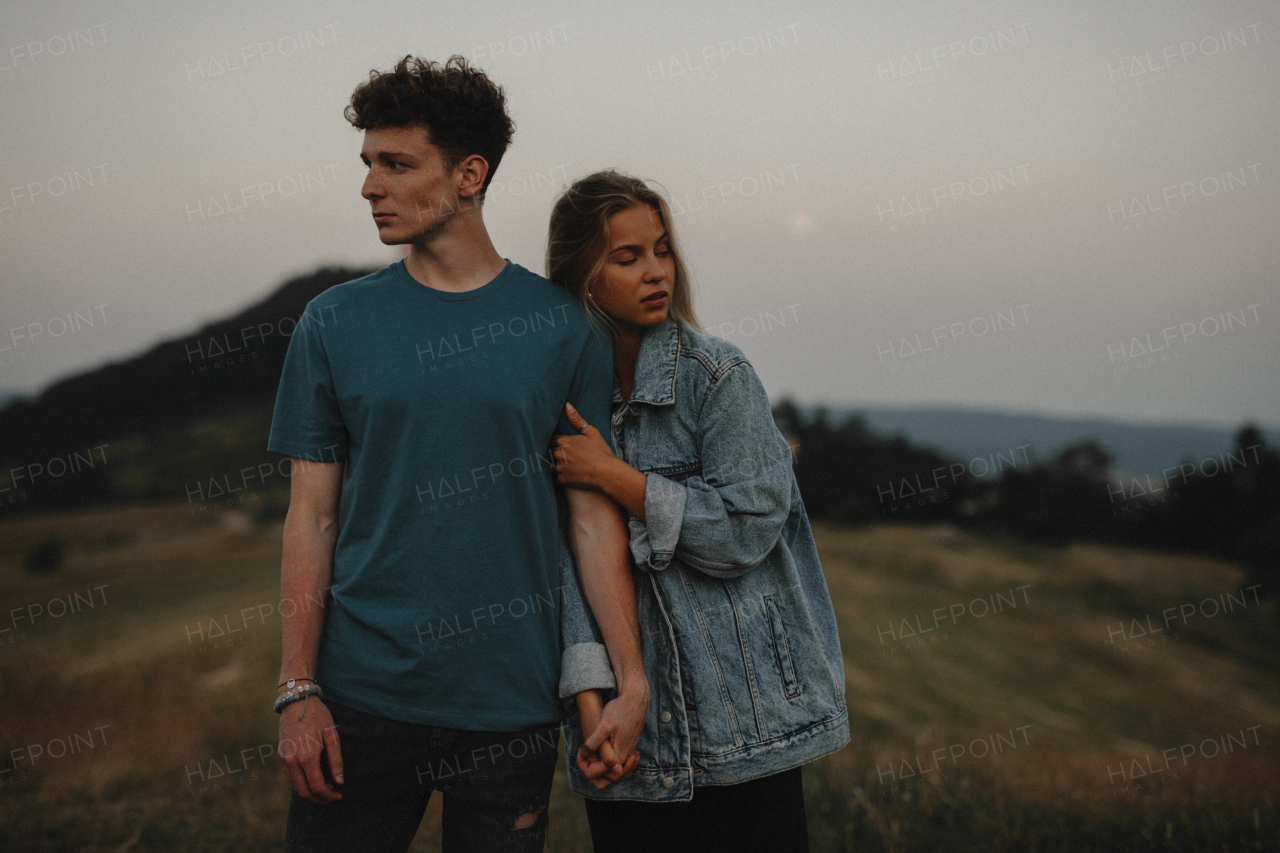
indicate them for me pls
(1001, 696)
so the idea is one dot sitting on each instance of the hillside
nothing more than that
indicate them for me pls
(186, 408)
(226, 367)
(1041, 684)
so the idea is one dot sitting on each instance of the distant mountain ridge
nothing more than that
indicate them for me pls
(232, 366)
(969, 434)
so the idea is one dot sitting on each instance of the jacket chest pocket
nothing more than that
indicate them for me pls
(678, 473)
(781, 649)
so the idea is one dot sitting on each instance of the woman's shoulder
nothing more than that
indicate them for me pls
(709, 352)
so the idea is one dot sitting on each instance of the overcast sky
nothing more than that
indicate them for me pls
(1068, 209)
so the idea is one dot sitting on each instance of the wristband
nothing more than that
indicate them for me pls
(292, 680)
(302, 691)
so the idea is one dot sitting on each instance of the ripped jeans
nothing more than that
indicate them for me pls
(496, 787)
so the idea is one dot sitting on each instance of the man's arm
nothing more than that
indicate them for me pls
(599, 541)
(306, 572)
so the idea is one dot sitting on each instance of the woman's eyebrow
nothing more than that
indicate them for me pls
(636, 247)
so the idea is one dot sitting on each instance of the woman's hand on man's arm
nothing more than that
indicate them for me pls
(585, 461)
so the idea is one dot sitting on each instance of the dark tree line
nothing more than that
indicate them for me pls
(1226, 505)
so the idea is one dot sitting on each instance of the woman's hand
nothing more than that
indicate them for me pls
(586, 461)
(582, 461)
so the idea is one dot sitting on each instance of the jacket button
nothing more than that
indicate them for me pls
(668, 783)
(662, 642)
(665, 716)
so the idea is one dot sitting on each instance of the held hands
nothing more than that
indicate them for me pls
(598, 758)
(582, 461)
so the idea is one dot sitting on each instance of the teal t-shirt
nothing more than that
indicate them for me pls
(446, 592)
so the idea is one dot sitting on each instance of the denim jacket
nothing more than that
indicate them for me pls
(736, 626)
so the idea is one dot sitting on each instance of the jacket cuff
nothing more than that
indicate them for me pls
(585, 666)
(653, 541)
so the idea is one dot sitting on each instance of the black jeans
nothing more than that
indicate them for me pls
(760, 815)
(496, 787)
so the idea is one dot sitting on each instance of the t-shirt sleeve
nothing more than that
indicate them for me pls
(591, 390)
(307, 422)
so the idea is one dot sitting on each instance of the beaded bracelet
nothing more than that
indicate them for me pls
(293, 694)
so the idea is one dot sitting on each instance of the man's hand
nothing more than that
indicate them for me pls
(301, 743)
(601, 766)
(306, 570)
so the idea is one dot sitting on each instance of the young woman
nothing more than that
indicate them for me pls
(737, 631)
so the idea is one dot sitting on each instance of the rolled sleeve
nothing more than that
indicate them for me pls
(725, 519)
(654, 540)
(585, 666)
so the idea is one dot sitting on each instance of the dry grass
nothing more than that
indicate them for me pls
(169, 703)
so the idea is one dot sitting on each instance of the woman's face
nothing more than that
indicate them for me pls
(639, 271)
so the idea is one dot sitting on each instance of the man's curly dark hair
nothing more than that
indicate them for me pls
(463, 111)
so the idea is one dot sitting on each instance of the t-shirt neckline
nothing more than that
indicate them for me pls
(494, 284)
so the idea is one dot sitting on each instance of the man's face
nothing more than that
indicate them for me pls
(409, 187)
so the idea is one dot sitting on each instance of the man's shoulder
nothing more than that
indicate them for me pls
(356, 288)
(535, 283)
(550, 300)
(346, 300)
(328, 307)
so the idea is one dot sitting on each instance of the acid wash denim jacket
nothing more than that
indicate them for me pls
(736, 626)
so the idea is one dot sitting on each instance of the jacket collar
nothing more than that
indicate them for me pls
(655, 379)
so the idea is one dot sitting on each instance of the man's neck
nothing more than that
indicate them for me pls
(457, 258)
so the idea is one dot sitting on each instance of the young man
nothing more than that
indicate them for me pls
(420, 403)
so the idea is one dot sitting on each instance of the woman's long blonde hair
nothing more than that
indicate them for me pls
(578, 239)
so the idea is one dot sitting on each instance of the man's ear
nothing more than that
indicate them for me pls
(473, 170)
